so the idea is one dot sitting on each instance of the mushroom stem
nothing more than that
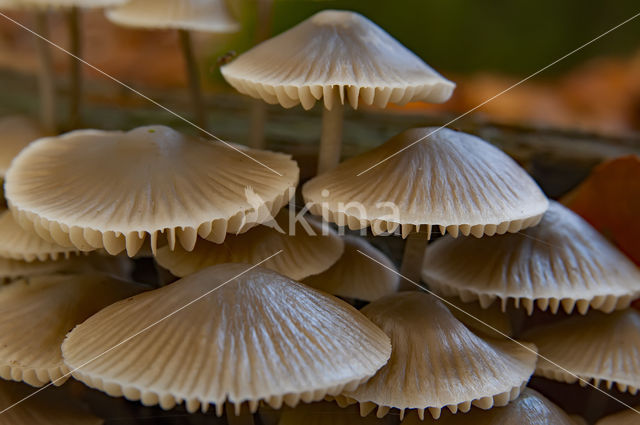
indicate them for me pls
(258, 114)
(331, 140)
(193, 75)
(73, 21)
(45, 76)
(245, 417)
(411, 267)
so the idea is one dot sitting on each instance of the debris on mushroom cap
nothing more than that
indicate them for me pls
(47, 408)
(597, 348)
(256, 335)
(448, 179)
(305, 251)
(562, 261)
(36, 314)
(356, 276)
(530, 408)
(325, 413)
(335, 49)
(424, 333)
(16, 132)
(477, 318)
(195, 15)
(19, 244)
(625, 417)
(92, 189)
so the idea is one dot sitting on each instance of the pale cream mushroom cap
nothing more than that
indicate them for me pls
(48, 407)
(338, 56)
(625, 417)
(450, 179)
(356, 276)
(93, 189)
(194, 15)
(17, 243)
(251, 335)
(530, 408)
(305, 250)
(37, 313)
(477, 318)
(16, 132)
(597, 348)
(562, 261)
(437, 362)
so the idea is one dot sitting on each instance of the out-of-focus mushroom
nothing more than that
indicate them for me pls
(356, 276)
(211, 16)
(337, 56)
(451, 180)
(625, 417)
(48, 407)
(597, 348)
(530, 408)
(36, 314)
(563, 261)
(437, 362)
(93, 189)
(305, 251)
(18, 244)
(247, 334)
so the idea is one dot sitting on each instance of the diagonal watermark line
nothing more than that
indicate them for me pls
(560, 59)
(450, 304)
(125, 85)
(129, 338)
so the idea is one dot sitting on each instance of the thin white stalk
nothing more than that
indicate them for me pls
(258, 116)
(193, 75)
(75, 36)
(331, 140)
(46, 80)
(414, 249)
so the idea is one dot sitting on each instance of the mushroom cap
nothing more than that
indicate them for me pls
(492, 316)
(36, 314)
(17, 132)
(356, 276)
(597, 347)
(93, 189)
(437, 362)
(451, 179)
(561, 261)
(17, 243)
(303, 254)
(256, 335)
(625, 417)
(47, 408)
(530, 408)
(193, 15)
(339, 56)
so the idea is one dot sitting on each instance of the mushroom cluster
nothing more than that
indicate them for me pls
(258, 315)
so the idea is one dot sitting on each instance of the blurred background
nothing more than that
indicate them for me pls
(484, 47)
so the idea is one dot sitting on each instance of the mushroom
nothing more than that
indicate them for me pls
(246, 334)
(355, 275)
(17, 132)
(489, 322)
(305, 251)
(92, 189)
(210, 16)
(75, 28)
(49, 407)
(625, 417)
(596, 348)
(18, 244)
(338, 56)
(437, 362)
(449, 179)
(563, 261)
(530, 408)
(35, 315)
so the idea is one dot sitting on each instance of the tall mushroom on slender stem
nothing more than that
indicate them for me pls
(448, 179)
(74, 25)
(340, 57)
(184, 16)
